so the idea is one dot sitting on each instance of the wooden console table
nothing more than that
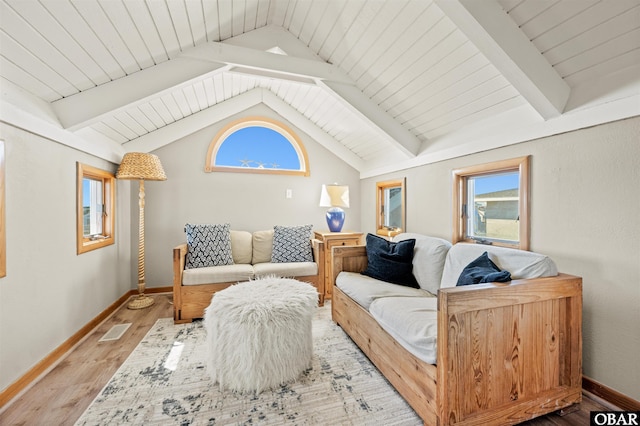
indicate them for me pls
(334, 239)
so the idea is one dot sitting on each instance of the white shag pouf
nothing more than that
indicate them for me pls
(259, 333)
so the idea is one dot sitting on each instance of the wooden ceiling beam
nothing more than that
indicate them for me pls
(90, 106)
(390, 129)
(498, 37)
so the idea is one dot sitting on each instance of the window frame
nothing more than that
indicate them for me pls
(3, 225)
(381, 187)
(269, 123)
(460, 176)
(107, 237)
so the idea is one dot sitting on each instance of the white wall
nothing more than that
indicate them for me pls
(49, 292)
(247, 201)
(585, 214)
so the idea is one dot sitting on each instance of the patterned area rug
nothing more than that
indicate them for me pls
(164, 381)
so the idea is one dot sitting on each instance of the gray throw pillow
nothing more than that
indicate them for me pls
(291, 244)
(208, 245)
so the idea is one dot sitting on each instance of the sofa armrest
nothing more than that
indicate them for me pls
(502, 333)
(348, 259)
(179, 258)
(317, 247)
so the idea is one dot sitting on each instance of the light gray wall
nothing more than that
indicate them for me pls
(247, 201)
(585, 214)
(50, 292)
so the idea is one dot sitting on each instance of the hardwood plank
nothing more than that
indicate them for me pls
(62, 395)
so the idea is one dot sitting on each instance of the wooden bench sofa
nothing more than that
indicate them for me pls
(506, 353)
(251, 253)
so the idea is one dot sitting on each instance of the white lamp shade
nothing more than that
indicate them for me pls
(334, 196)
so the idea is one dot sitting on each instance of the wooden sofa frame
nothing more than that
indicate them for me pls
(506, 353)
(190, 301)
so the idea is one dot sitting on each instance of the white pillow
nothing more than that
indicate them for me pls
(521, 264)
(262, 242)
(241, 246)
(429, 255)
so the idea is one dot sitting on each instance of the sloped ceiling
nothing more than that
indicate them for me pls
(383, 84)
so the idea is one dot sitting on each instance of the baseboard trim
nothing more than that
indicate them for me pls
(609, 395)
(154, 290)
(47, 362)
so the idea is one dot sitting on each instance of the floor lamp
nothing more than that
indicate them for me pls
(140, 166)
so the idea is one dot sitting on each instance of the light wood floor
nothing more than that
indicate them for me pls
(62, 395)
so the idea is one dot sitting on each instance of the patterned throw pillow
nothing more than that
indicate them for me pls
(292, 244)
(208, 245)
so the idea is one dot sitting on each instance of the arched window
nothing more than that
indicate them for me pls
(257, 145)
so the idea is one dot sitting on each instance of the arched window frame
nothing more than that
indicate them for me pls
(269, 123)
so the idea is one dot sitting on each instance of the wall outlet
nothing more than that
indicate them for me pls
(289, 193)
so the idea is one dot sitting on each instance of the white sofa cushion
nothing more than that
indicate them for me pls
(262, 246)
(217, 274)
(429, 255)
(412, 321)
(293, 269)
(364, 290)
(241, 246)
(520, 263)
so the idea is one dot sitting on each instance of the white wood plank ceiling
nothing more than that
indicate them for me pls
(375, 81)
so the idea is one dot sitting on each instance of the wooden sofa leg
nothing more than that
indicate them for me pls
(568, 410)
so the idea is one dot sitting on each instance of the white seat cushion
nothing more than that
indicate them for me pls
(217, 274)
(520, 263)
(292, 269)
(412, 321)
(429, 255)
(364, 290)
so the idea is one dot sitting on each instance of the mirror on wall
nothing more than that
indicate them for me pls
(390, 207)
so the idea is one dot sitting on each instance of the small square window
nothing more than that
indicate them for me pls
(491, 203)
(96, 208)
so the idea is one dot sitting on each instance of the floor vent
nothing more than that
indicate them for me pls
(115, 333)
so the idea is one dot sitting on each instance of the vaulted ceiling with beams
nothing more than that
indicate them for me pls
(382, 84)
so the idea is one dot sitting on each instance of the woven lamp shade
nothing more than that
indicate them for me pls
(140, 165)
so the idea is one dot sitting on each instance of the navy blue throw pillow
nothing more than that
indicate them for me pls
(483, 270)
(389, 261)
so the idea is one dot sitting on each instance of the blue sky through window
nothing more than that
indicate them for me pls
(257, 147)
(493, 183)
